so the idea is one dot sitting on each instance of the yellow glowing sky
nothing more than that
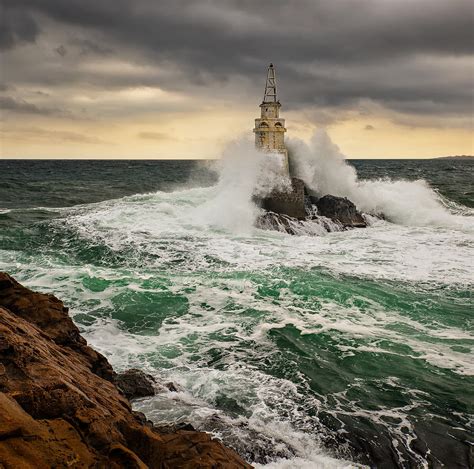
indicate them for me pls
(203, 134)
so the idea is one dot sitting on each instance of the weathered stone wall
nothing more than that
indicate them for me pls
(270, 110)
(269, 136)
(270, 132)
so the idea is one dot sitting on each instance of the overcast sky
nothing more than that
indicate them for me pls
(179, 78)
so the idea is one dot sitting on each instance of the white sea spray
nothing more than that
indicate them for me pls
(325, 170)
(244, 173)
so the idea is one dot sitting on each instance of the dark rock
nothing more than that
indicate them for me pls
(135, 383)
(311, 226)
(290, 203)
(276, 222)
(175, 428)
(173, 387)
(295, 212)
(141, 417)
(340, 209)
(186, 426)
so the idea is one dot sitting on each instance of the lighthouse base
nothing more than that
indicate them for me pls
(290, 203)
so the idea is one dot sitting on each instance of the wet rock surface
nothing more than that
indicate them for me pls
(59, 406)
(135, 383)
(311, 226)
(333, 216)
(341, 210)
(296, 212)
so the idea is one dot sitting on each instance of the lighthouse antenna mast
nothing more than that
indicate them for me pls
(270, 86)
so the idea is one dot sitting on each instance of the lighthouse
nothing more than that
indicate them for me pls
(270, 138)
(269, 127)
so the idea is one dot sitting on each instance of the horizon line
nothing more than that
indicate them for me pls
(27, 158)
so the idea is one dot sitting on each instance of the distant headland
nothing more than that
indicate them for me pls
(455, 157)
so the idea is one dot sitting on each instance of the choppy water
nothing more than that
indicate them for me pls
(299, 351)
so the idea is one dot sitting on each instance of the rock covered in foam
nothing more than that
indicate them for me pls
(59, 406)
(336, 214)
(312, 226)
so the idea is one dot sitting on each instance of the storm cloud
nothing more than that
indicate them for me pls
(410, 57)
(17, 26)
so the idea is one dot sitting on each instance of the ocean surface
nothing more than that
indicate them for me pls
(332, 350)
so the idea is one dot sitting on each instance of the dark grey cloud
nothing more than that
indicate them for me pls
(8, 103)
(88, 47)
(353, 30)
(17, 26)
(409, 86)
(412, 57)
(61, 50)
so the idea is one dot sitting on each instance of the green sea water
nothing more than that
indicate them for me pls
(333, 350)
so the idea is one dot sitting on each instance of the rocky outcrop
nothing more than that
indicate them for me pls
(296, 212)
(341, 210)
(60, 407)
(290, 203)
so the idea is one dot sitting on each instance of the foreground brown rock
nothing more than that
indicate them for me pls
(59, 406)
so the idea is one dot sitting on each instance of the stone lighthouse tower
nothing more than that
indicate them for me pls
(270, 138)
(270, 128)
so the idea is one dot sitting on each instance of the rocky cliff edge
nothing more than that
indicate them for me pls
(59, 406)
